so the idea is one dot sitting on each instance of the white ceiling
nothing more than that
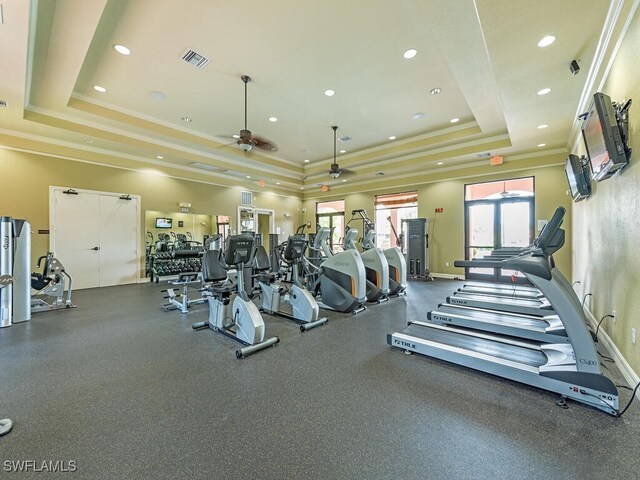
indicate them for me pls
(482, 54)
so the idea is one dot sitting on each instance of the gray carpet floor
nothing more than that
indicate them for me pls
(129, 391)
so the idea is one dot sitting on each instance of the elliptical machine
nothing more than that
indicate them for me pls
(395, 258)
(376, 268)
(339, 279)
(291, 301)
(240, 320)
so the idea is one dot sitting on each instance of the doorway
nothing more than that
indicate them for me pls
(260, 221)
(96, 236)
(498, 214)
(264, 222)
(331, 215)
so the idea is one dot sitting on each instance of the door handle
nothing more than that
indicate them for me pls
(95, 249)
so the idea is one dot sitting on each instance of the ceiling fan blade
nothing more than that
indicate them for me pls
(230, 140)
(264, 144)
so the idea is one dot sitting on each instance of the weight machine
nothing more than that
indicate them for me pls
(50, 285)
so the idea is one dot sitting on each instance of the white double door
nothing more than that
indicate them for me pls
(96, 236)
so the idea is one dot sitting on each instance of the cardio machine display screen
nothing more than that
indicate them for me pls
(163, 222)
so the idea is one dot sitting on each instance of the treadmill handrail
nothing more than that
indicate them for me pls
(479, 263)
(533, 261)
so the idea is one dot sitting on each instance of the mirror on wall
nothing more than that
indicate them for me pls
(247, 220)
(179, 231)
(193, 226)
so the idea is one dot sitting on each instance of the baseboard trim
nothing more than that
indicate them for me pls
(450, 276)
(628, 373)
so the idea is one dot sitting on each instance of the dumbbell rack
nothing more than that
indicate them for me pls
(166, 264)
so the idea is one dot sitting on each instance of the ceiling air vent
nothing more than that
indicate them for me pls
(484, 155)
(346, 138)
(3, 104)
(195, 59)
(204, 166)
(246, 198)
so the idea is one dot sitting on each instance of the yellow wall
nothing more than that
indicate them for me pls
(26, 177)
(606, 226)
(447, 242)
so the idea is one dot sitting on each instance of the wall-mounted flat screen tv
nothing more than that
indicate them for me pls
(602, 137)
(162, 222)
(578, 178)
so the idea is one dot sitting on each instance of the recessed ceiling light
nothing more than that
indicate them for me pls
(186, 119)
(343, 180)
(343, 151)
(544, 91)
(435, 91)
(248, 176)
(277, 183)
(122, 49)
(159, 157)
(546, 41)
(454, 120)
(329, 92)
(301, 188)
(306, 160)
(236, 136)
(542, 144)
(440, 163)
(418, 116)
(544, 125)
(273, 119)
(100, 89)
(392, 137)
(157, 95)
(412, 52)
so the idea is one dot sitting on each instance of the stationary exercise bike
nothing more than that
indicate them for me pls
(5, 424)
(291, 301)
(240, 320)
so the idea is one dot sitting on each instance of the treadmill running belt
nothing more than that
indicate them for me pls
(525, 356)
(498, 318)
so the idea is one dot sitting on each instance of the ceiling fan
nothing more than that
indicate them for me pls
(247, 140)
(335, 171)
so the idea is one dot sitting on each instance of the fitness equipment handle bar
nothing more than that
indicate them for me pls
(479, 263)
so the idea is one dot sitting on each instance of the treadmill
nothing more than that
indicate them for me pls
(545, 329)
(571, 369)
(512, 290)
(506, 290)
(524, 306)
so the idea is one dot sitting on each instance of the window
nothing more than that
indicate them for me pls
(390, 211)
(331, 215)
(498, 214)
